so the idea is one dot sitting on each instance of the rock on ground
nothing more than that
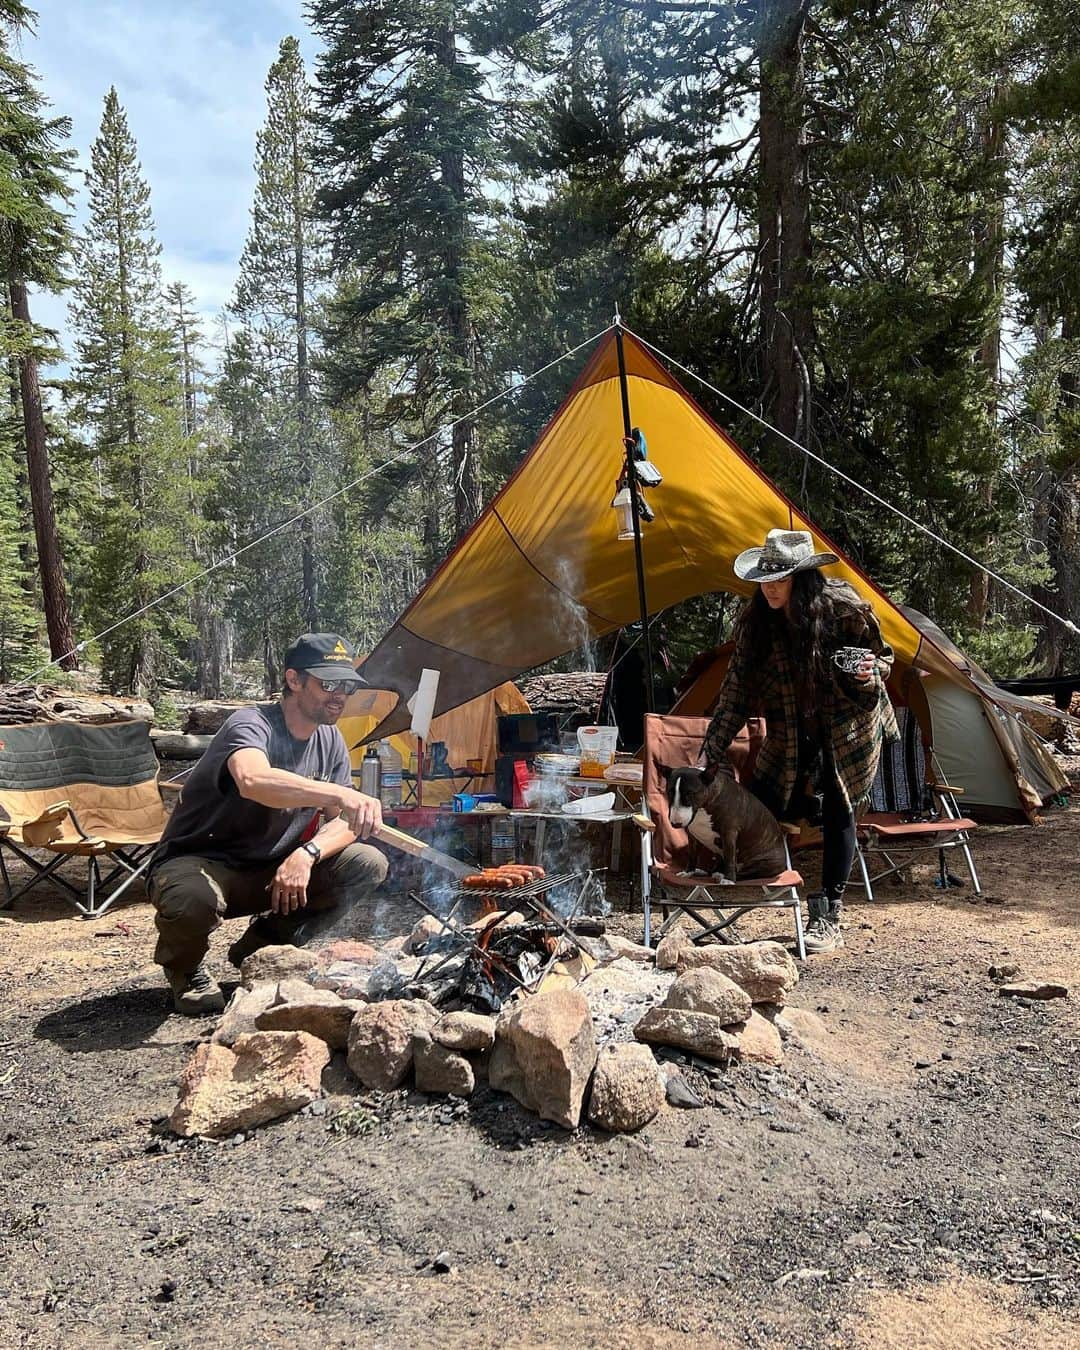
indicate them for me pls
(798, 1025)
(297, 1006)
(380, 1045)
(274, 964)
(441, 1070)
(347, 949)
(544, 1053)
(464, 1031)
(667, 952)
(764, 969)
(759, 1041)
(627, 1090)
(706, 990)
(426, 928)
(238, 1019)
(695, 1031)
(264, 1075)
(1035, 989)
(347, 979)
(612, 947)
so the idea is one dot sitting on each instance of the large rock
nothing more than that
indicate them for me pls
(1035, 989)
(347, 979)
(627, 1089)
(544, 1053)
(464, 1031)
(709, 991)
(240, 1013)
(612, 947)
(669, 950)
(441, 1070)
(347, 949)
(265, 1074)
(764, 969)
(380, 1045)
(298, 1006)
(798, 1025)
(272, 964)
(698, 1032)
(759, 1041)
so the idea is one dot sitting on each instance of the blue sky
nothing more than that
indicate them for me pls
(190, 76)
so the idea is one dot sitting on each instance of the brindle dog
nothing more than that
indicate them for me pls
(727, 820)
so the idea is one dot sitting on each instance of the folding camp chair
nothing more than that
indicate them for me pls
(665, 850)
(76, 791)
(912, 811)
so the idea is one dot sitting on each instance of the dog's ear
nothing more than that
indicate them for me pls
(708, 773)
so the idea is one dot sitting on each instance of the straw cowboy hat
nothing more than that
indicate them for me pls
(785, 552)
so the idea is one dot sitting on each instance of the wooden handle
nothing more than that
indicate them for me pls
(399, 839)
(644, 823)
(945, 787)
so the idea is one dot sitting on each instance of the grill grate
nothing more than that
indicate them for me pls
(515, 893)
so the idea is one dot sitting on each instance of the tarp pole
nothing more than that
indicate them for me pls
(631, 483)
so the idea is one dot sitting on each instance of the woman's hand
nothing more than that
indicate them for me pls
(864, 671)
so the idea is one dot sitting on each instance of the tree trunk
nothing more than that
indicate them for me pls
(989, 265)
(783, 253)
(1056, 524)
(309, 599)
(463, 437)
(50, 562)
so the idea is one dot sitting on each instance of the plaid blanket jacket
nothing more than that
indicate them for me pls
(859, 716)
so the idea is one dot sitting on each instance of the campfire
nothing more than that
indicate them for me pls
(478, 963)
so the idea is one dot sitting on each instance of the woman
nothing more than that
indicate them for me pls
(822, 724)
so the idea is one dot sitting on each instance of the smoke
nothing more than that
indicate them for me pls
(574, 624)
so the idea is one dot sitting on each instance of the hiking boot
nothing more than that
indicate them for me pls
(265, 930)
(823, 935)
(196, 994)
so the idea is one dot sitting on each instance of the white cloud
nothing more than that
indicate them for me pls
(190, 76)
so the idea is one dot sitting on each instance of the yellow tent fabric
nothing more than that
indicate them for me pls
(469, 732)
(542, 569)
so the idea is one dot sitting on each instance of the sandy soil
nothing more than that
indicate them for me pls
(851, 1198)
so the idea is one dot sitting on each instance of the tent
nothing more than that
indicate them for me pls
(542, 570)
(469, 731)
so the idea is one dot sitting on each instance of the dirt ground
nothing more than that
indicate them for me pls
(910, 1180)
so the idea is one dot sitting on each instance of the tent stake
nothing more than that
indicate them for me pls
(631, 482)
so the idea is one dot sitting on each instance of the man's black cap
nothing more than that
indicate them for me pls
(324, 655)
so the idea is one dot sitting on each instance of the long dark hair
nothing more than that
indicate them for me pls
(817, 604)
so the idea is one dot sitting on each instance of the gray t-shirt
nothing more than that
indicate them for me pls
(212, 820)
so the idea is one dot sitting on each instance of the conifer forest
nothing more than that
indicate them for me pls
(859, 217)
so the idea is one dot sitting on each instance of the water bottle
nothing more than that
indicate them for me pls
(370, 773)
(389, 776)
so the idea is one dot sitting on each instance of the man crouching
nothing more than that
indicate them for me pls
(246, 838)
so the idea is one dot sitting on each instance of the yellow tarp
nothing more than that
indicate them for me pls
(542, 569)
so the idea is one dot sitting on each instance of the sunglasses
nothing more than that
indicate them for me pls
(334, 686)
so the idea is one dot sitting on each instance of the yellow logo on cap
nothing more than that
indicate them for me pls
(339, 650)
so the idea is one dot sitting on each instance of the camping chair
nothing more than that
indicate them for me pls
(912, 811)
(665, 850)
(75, 791)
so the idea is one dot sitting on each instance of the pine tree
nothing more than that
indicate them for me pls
(275, 294)
(129, 395)
(405, 149)
(34, 240)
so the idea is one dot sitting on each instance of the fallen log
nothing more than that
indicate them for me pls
(205, 718)
(175, 745)
(46, 703)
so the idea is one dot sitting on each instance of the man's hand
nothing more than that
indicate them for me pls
(865, 669)
(362, 814)
(288, 890)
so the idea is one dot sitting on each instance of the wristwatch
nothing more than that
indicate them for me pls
(312, 847)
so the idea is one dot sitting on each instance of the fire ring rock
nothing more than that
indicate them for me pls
(706, 990)
(381, 1040)
(266, 1074)
(544, 1053)
(764, 969)
(299, 1007)
(440, 1070)
(275, 963)
(696, 1031)
(464, 1031)
(627, 1089)
(759, 1041)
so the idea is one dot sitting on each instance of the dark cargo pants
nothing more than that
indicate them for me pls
(192, 895)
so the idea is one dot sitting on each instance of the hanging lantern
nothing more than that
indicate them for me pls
(624, 511)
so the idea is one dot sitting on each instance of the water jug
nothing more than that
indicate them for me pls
(389, 776)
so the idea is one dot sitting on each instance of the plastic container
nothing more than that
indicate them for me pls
(588, 806)
(370, 772)
(389, 776)
(503, 845)
(597, 745)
